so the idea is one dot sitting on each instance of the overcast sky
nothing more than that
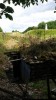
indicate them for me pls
(30, 16)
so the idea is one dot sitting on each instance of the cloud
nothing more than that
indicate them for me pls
(40, 8)
(30, 16)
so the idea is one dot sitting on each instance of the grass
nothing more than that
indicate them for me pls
(42, 34)
(40, 88)
(35, 35)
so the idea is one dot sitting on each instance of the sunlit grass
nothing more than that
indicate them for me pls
(42, 34)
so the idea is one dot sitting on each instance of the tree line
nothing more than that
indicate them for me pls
(50, 24)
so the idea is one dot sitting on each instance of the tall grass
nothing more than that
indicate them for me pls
(42, 34)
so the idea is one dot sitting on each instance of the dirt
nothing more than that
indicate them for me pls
(5, 84)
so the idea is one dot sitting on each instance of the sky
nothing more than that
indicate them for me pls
(30, 16)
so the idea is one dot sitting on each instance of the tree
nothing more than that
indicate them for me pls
(51, 24)
(6, 10)
(41, 25)
(1, 29)
(30, 28)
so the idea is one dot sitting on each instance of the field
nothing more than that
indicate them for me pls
(34, 43)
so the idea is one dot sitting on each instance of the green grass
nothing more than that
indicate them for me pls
(41, 89)
(42, 34)
(4, 38)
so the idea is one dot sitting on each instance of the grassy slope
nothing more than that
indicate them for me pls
(40, 33)
(26, 38)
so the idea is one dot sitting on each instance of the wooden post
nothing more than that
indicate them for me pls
(48, 88)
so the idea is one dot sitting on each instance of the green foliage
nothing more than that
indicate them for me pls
(8, 16)
(41, 25)
(2, 6)
(8, 9)
(24, 3)
(1, 29)
(51, 24)
(30, 28)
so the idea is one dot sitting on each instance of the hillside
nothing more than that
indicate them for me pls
(41, 33)
(16, 39)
